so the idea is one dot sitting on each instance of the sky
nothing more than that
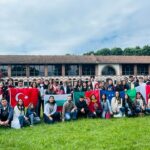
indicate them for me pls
(58, 27)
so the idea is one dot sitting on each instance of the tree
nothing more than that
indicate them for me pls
(89, 53)
(104, 51)
(135, 51)
(116, 51)
(128, 51)
(146, 50)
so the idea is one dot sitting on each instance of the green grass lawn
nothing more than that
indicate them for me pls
(88, 134)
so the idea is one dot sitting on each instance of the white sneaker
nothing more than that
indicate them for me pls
(118, 116)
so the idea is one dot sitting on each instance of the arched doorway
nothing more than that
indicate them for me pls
(108, 70)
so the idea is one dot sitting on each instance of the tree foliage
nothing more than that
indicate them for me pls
(134, 51)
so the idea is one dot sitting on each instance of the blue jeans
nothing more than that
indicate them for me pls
(122, 109)
(104, 113)
(23, 122)
(71, 115)
(138, 110)
(33, 119)
(147, 110)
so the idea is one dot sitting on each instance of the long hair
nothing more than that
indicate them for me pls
(33, 83)
(22, 107)
(128, 100)
(105, 97)
(119, 98)
(141, 98)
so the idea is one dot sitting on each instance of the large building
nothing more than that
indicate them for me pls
(28, 67)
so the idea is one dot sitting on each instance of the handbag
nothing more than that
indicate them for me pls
(107, 115)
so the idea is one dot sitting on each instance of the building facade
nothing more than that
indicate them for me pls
(28, 67)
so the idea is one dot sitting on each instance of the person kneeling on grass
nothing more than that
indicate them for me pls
(69, 110)
(117, 106)
(31, 114)
(19, 118)
(6, 113)
(50, 111)
(82, 107)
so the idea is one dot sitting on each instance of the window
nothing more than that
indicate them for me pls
(71, 70)
(128, 69)
(37, 70)
(18, 70)
(108, 70)
(3, 70)
(88, 69)
(142, 69)
(54, 70)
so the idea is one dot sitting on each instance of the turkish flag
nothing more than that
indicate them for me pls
(28, 95)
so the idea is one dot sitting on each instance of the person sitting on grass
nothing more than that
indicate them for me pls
(82, 107)
(50, 111)
(94, 107)
(69, 110)
(148, 105)
(139, 104)
(19, 118)
(117, 106)
(128, 105)
(106, 108)
(31, 114)
(6, 113)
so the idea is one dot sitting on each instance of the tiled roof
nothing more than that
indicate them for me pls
(124, 59)
(41, 59)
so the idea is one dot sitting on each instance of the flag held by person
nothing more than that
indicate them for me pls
(60, 100)
(28, 95)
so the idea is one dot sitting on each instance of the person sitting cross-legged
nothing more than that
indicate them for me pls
(69, 110)
(50, 111)
(6, 113)
(82, 107)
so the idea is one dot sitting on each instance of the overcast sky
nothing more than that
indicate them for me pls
(56, 27)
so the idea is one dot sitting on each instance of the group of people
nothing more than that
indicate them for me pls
(19, 116)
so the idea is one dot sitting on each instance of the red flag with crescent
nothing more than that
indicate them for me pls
(28, 95)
